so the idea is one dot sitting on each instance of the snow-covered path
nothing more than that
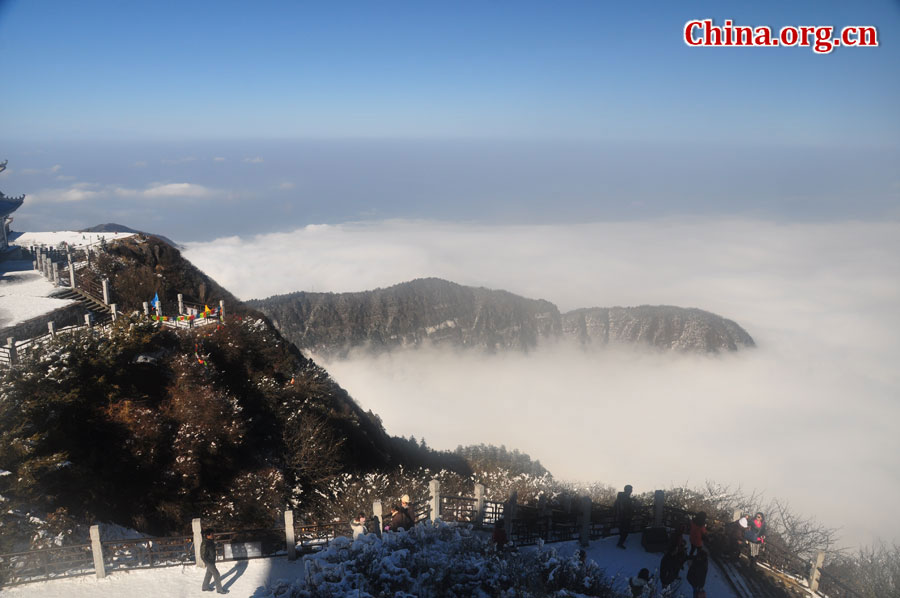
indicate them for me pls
(25, 294)
(246, 579)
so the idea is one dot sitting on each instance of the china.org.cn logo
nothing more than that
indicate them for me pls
(821, 38)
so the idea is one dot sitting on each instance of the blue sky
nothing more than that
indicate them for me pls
(519, 111)
(597, 70)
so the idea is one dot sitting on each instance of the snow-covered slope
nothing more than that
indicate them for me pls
(25, 294)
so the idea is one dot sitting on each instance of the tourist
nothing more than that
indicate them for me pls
(673, 560)
(399, 519)
(208, 556)
(696, 575)
(756, 535)
(639, 583)
(623, 510)
(358, 525)
(407, 509)
(698, 532)
(498, 538)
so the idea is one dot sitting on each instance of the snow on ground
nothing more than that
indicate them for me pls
(24, 294)
(70, 237)
(253, 578)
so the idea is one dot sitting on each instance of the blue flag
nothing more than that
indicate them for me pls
(155, 302)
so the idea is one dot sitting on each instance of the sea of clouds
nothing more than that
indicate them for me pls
(809, 416)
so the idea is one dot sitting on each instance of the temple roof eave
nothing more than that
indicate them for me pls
(8, 205)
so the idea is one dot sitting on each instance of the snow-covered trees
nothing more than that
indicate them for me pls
(438, 560)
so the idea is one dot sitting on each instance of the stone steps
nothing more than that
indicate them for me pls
(100, 311)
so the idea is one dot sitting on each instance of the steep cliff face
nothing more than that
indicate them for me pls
(442, 312)
(664, 326)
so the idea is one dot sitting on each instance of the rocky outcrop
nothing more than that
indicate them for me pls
(445, 313)
(663, 326)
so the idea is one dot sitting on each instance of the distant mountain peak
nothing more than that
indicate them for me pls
(439, 311)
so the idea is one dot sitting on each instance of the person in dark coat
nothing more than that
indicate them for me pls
(696, 575)
(498, 538)
(698, 532)
(623, 509)
(208, 556)
(672, 561)
(734, 536)
(399, 519)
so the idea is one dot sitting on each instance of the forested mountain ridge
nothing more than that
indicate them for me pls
(442, 312)
(148, 427)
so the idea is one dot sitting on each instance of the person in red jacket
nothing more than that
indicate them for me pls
(756, 535)
(698, 532)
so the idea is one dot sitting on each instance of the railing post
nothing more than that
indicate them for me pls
(11, 348)
(585, 538)
(180, 304)
(146, 309)
(659, 502)
(105, 283)
(51, 327)
(479, 504)
(113, 309)
(378, 513)
(97, 550)
(815, 571)
(72, 274)
(55, 273)
(222, 310)
(434, 487)
(289, 541)
(198, 539)
(87, 320)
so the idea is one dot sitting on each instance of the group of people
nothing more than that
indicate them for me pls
(676, 556)
(746, 530)
(753, 531)
(402, 517)
(674, 560)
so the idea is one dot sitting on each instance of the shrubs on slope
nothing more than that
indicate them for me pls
(149, 428)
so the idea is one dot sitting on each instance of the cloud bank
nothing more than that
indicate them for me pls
(809, 416)
(79, 192)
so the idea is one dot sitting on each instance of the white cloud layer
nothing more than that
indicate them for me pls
(177, 190)
(809, 416)
(90, 191)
